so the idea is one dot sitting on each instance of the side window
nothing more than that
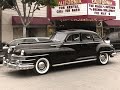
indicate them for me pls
(15, 42)
(29, 40)
(73, 38)
(96, 38)
(86, 37)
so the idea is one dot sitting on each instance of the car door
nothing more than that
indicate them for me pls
(67, 52)
(88, 45)
(73, 42)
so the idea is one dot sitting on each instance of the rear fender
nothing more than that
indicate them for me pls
(104, 48)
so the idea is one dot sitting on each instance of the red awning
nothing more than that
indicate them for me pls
(114, 23)
(35, 21)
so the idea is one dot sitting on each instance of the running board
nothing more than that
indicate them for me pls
(61, 64)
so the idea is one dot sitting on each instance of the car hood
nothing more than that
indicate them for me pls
(43, 45)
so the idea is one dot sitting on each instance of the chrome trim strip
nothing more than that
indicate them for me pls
(20, 67)
(86, 57)
(80, 43)
(30, 56)
(28, 60)
(106, 51)
(73, 62)
(71, 43)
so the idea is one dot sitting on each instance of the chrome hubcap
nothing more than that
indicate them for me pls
(41, 65)
(103, 58)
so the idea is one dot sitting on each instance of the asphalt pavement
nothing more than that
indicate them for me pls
(83, 76)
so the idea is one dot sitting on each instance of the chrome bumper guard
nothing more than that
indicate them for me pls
(113, 54)
(17, 66)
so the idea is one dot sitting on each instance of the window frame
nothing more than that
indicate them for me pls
(73, 41)
(84, 41)
(100, 39)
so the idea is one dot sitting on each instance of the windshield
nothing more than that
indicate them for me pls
(58, 37)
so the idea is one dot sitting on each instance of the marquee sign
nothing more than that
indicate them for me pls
(73, 8)
(101, 10)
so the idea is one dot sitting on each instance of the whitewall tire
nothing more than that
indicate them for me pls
(103, 58)
(42, 66)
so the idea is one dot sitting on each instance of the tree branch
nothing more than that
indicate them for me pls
(24, 12)
(29, 13)
(19, 13)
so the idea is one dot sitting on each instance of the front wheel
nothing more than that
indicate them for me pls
(103, 58)
(42, 66)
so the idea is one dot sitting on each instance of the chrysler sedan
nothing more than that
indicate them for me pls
(64, 47)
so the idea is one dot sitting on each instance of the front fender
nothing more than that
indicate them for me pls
(47, 51)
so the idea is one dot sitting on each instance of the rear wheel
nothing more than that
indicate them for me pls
(42, 66)
(103, 58)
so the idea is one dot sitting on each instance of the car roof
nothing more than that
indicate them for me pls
(76, 31)
(30, 38)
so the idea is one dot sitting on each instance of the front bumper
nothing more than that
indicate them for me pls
(113, 54)
(17, 64)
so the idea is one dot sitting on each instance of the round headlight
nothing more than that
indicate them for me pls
(22, 52)
(9, 50)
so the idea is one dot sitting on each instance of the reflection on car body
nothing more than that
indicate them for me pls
(64, 47)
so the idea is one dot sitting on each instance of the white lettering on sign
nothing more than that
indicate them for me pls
(68, 2)
(99, 9)
(104, 2)
(69, 10)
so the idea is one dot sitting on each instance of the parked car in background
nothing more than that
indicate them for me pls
(28, 40)
(65, 47)
(114, 38)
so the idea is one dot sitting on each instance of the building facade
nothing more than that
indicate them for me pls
(93, 15)
(12, 27)
(101, 16)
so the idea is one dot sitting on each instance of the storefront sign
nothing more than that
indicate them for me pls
(84, 7)
(101, 10)
(68, 2)
(103, 2)
(69, 10)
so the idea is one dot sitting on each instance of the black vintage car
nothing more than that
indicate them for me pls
(64, 47)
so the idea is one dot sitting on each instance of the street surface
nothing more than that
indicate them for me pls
(84, 76)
